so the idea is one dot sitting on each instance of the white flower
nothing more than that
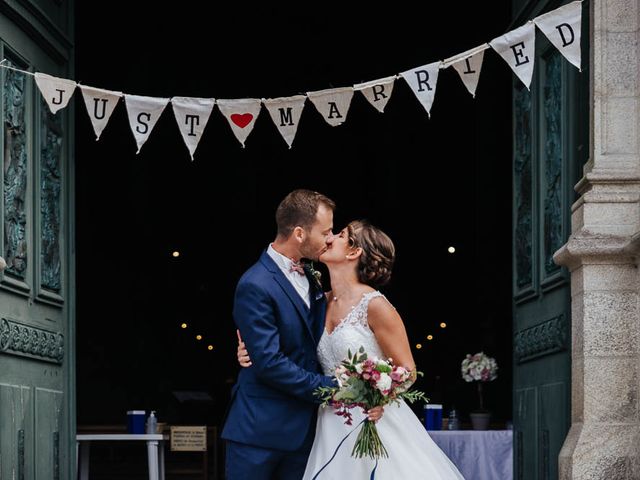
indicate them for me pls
(3, 264)
(384, 382)
(479, 367)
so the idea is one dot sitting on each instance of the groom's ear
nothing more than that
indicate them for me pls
(299, 234)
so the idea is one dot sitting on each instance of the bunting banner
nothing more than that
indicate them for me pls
(55, 91)
(333, 104)
(192, 115)
(241, 115)
(100, 105)
(468, 65)
(285, 113)
(143, 113)
(377, 92)
(422, 81)
(517, 48)
(562, 27)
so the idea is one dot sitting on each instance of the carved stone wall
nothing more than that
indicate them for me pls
(602, 254)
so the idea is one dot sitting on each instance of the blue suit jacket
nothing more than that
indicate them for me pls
(272, 403)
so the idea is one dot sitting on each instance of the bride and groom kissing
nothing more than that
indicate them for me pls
(292, 336)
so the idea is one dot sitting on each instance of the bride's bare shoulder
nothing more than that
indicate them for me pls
(381, 309)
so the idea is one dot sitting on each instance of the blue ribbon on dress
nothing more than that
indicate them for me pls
(373, 472)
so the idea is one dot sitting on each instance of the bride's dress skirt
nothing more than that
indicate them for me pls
(412, 452)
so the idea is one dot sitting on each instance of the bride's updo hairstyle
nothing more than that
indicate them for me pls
(378, 253)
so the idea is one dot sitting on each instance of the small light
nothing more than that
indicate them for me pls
(429, 337)
(210, 347)
(184, 325)
(451, 250)
(175, 254)
(198, 337)
(419, 346)
(443, 325)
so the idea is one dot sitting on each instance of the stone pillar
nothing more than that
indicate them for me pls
(602, 255)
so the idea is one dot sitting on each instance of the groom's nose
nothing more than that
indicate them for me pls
(330, 238)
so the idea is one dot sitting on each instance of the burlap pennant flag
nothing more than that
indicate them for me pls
(562, 27)
(517, 48)
(241, 115)
(143, 113)
(377, 92)
(468, 66)
(285, 113)
(333, 104)
(100, 105)
(192, 115)
(422, 81)
(56, 91)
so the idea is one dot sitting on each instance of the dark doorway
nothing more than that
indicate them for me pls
(429, 183)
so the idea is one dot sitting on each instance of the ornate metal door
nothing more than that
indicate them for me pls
(550, 144)
(36, 225)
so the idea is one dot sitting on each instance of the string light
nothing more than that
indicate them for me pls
(210, 347)
(451, 249)
(184, 325)
(175, 254)
(198, 337)
(429, 337)
(419, 346)
(443, 325)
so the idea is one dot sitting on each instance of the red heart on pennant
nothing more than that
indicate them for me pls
(241, 120)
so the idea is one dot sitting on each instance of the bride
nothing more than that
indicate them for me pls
(359, 260)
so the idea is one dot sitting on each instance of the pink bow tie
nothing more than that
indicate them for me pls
(297, 267)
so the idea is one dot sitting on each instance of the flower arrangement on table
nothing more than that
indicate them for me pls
(366, 383)
(479, 368)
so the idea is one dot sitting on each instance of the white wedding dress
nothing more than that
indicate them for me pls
(412, 452)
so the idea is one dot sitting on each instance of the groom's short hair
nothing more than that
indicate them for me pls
(299, 208)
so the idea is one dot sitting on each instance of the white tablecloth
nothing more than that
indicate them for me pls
(478, 454)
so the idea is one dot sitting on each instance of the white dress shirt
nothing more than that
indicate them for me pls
(299, 282)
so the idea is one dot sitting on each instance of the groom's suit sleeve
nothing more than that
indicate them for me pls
(254, 315)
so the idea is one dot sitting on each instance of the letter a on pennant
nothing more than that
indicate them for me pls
(333, 104)
(562, 27)
(56, 91)
(241, 115)
(517, 48)
(143, 113)
(100, 105)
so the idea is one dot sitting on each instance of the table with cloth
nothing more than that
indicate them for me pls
(478, 454)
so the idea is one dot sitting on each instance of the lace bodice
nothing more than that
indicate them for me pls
(352, 332)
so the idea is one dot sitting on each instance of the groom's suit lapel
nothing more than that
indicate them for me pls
(318, 305)
(290, 291)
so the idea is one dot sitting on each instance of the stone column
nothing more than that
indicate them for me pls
(602, 255)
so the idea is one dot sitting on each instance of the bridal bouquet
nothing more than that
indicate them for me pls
(366, 383)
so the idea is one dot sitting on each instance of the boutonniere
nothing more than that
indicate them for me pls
(315, 274)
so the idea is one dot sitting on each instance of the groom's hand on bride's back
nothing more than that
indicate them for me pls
(243, 354)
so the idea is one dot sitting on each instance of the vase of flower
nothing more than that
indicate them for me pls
(479, 368)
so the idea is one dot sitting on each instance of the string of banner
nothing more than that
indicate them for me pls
(517, 47)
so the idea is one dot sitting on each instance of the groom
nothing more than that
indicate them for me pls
(279, 309)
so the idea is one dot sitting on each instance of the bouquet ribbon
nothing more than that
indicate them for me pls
(373, 472)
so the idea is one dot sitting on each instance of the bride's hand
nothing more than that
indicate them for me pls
(375, 414)
(243, 354)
